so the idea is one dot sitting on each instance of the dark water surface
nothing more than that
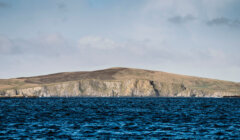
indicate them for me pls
(146, 118)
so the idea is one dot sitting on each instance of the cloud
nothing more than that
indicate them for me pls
(4, 5)
(52, 40)
(181, 19)
(63, 9)
(51, 44)
(62, 6)
(97, 42)
(54, 52)
(224, 21)
(136, 35)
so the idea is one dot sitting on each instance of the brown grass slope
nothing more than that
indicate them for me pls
(123, 74)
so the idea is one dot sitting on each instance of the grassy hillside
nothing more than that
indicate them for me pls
(123, 74)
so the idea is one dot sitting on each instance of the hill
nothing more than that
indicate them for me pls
(117, 82)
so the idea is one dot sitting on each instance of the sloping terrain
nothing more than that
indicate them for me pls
(118, 82)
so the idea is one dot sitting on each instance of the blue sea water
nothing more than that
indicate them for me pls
(134, 118)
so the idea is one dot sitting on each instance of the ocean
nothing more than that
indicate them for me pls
(119, 118)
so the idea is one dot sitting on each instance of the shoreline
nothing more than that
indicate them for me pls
(34, 97)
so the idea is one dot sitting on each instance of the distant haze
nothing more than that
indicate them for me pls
(191, 37)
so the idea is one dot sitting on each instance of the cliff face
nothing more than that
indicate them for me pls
(117, 82)
(112, 88)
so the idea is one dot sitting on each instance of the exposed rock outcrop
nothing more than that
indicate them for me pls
(118, 82)
(105, 88)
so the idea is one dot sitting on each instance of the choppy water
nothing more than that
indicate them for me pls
(74, 118)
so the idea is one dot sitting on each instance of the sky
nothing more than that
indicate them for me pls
(191, 37)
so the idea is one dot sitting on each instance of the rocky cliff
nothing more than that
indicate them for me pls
(117, 82)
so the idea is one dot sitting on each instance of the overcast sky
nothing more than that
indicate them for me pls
(191, 37)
